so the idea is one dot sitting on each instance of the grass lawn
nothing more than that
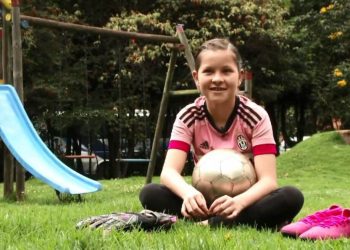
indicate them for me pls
(318, 166)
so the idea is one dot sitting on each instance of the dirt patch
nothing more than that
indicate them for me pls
(345, 134)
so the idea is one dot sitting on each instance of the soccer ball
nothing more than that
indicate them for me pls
(223, 172)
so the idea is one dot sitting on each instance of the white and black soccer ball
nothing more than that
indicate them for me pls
(223, 172)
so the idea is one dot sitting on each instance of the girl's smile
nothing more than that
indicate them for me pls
(218, 76)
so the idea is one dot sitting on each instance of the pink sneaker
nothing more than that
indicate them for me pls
(297, 228)
(332, 228)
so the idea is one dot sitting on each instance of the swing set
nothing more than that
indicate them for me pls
(177, 45)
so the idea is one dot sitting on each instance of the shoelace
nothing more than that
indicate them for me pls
(334, 221)
(316, 217)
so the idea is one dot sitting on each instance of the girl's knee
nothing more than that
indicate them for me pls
(146, 193)
(294, 198)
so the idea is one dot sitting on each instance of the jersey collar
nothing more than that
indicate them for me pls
(229, 120)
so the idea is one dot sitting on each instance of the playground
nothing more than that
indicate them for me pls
(44, 222)
(87, 143)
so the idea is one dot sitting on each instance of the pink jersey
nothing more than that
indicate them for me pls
(248, 130)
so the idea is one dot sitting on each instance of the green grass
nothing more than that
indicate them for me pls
(318, 166)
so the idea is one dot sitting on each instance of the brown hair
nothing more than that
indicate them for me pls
(218, 44)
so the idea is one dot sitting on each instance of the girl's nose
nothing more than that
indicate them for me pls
(216, 78)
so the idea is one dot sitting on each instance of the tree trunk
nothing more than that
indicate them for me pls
(301, 121)
(113, 147)
(77, 151)
(286, 136)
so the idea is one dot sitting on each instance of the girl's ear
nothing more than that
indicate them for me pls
(195, 78)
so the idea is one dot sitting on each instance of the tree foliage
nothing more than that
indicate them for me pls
(256, 27)
(321, 36)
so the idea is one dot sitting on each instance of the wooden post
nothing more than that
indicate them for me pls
(6, 69)
(161, 115)
(167, 92)
(1, 143)
(99, 31)
(18, 83)
(188, 53)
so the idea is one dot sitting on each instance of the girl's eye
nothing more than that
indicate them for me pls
(228, 70)
(207, 71)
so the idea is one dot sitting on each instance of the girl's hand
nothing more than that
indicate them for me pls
(194, 205)
(226, 207)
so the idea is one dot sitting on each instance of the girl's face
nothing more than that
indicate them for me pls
(218, 76)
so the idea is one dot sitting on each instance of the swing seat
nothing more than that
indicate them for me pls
(90, 162)
(127, 161)
(80, 156)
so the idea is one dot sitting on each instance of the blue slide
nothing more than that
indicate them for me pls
(21, 138)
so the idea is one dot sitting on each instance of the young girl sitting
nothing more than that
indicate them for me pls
(220, 118)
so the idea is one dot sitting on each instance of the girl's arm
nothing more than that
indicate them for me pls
(194, 204)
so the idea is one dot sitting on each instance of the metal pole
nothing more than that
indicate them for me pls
(161, 116)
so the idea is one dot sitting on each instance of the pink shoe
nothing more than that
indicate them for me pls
(297, 228)
(332, 228)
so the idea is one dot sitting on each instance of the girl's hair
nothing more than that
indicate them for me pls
(218, 44)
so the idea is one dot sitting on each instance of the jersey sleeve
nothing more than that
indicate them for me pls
(181, 135)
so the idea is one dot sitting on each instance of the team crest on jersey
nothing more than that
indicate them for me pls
(242, 142)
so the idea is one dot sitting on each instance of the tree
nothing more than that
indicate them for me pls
(256, 27)
(96, 84)
(86, 87)
(321, 32)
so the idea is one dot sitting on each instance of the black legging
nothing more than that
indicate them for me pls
(272, 211)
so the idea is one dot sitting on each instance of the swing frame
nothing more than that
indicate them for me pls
(179, 43)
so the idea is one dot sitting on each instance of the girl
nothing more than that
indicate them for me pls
(220, 118)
